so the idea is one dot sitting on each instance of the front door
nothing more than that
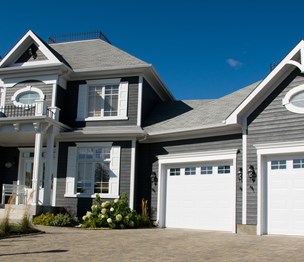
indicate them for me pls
(26, 176)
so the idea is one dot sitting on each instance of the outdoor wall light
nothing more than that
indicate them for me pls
(240, 174)
(154, 178)
(9, 164)
(251, 173)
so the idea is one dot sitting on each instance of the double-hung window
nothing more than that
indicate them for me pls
(93, 168)
(105, 99)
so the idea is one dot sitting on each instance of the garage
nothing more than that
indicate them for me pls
(285, 194)
(200, 196)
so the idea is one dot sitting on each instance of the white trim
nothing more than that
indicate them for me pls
(139, 102)
(286, 100)
(104, 118)
(165, 160)
(92, 144)
(83, 195)
(132, 174)
(54, 94)
(244, 167)
(47, 79)
(263, 150)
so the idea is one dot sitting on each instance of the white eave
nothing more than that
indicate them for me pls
(199, 132)
(276, 76)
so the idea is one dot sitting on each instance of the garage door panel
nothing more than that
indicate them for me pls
(200, 201)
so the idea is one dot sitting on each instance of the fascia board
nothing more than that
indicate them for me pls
(279, 69)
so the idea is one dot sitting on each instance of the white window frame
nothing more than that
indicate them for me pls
(83, 100)
(72, 171)
(287, 100)
(24, 90)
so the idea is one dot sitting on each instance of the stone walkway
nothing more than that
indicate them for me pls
(72, 244)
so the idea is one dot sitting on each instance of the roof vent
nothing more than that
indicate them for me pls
(77, 37)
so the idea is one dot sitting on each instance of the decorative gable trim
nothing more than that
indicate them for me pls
(295, 58)
(23, 44)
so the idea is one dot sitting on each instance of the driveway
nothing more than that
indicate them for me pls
(72, 244)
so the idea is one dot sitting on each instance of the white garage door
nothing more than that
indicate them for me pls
(200, 197)
(285, 195)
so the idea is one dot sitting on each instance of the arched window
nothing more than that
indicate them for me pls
(27, 96)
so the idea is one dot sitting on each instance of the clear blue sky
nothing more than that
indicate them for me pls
(201, 49)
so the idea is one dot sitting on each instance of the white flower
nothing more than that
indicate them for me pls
(94, 207)
(103, 211)
(112, 209)
(109, 220)
(103, 204)
(116, 200)
(102, 216)
(84, 218)
(89, 214)
(118, 217)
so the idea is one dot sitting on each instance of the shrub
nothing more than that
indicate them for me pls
(48, 219)
(112, 214)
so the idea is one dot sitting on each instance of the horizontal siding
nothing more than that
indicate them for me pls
(272, 123)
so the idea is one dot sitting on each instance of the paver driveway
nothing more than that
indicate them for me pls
(71, 244)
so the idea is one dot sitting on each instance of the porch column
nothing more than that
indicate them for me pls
(37, 162)
(49, 162)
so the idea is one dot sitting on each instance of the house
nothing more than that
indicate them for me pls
(83, 117)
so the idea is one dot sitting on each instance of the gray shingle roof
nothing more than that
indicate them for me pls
(92, 54)
(194, 114)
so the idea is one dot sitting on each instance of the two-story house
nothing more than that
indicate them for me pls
(81, 118)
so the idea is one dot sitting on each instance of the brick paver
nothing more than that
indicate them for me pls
(73, 244)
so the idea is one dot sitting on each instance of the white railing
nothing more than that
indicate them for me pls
(18, 191)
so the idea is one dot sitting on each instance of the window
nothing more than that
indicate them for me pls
(27, 96)
(298, 163)
(278, 164)
(294, 100)
(103, 100)
(223, 169)
(206, 170)
(174, 171)
(190, 171)
(93, 168)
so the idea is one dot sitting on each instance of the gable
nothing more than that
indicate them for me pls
(29, 50)
(293, 60)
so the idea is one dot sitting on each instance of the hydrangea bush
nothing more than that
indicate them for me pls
(112, 214)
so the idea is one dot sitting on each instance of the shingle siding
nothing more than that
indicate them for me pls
(269, 123)
(148, 158)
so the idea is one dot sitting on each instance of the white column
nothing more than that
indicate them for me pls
(37, 163)
(244, 167)
(132, 174)
(139, 103)
(49, 163)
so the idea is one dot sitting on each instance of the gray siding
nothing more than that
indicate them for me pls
(269, 123)
(46, 89)
(79, 206)
(149, 163)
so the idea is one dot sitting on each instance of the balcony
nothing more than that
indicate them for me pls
(38, 109)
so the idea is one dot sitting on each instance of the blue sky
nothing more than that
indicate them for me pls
(201, 49)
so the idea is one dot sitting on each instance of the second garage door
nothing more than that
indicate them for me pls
(201, 196)
(285, 192)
